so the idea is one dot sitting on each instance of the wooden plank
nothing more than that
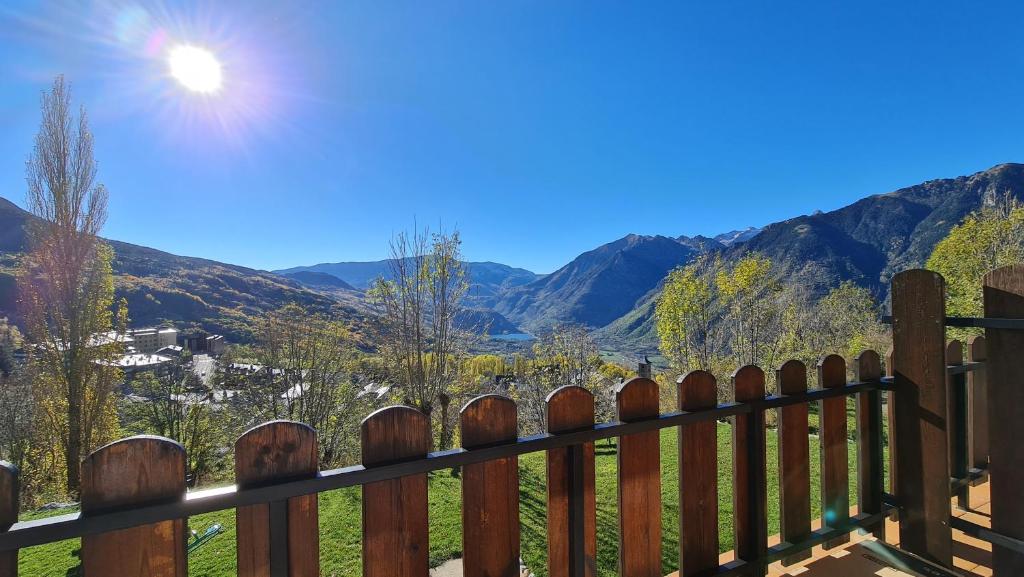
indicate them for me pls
(794, 461)
(143, 470)
(749, 495)
(570, 408)
(639, 466)
(835, 465)
(956, 400)
(890, 407)
(977, 402)
(490, 491)
(919, 366)
(1004, 298)
(698, 478)
(277, 451)
(9, 508)
(870, 473)
(395, 527)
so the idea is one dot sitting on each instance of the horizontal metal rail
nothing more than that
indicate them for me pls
(785, 549)
(977, 323)
(58, 528)
(975, 476)
(962, 368)
(986, 534)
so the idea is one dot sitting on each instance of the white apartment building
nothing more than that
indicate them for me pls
(152, 339)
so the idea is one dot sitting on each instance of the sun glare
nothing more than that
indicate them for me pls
(195, 68)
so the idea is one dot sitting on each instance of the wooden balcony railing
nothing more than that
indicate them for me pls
(135, 506)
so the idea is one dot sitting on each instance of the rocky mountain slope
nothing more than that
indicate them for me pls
(598, 286)
(866, 242)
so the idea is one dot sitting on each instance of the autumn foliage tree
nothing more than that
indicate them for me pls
(67, 288)
(987, 239)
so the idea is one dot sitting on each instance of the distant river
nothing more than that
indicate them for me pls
(514, 337)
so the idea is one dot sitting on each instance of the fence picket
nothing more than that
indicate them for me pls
(490, 491)
(794, 461)
(1004, 298)
(278, 450)
(572, 516)
(749, 496)
(956, 392)
(919, 366)
(142, 470)
(835, 467)
(870, 460)
(977, 403)
(698, 478)
(395, 526)
(9, 494)
(639, 465)
(890, 409)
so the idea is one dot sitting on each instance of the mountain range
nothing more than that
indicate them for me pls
(611, 289)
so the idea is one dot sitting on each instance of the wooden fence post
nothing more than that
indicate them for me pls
(750, 486)
(835, 464)
(490, 491)
(890, 409)
(1004, 298)
(977, 403)
(957, 401)
(277, 539)
(142, 470)
(9, 495)
(698, 478)
(922, 479)
(639, 466)
(794, 461)
(395, 526)
(870, 460)
(572, 505)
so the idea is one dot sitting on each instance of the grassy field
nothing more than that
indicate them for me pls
(340, 518)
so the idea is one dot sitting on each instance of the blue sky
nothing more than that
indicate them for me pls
(539, 129)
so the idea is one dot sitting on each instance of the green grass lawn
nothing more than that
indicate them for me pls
(340, 519)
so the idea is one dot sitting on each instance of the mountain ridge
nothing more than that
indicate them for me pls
(611, 288)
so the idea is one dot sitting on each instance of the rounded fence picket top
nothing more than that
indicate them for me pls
(867, 366)
(113, 474)
(791, 377)
(748, 383)
(275, 449)
(697, 390)
(829, 369)
(569, 407)
(488, 419)
(394, 433)
(636, 398)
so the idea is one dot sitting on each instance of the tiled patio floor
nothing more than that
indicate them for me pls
(971, 556)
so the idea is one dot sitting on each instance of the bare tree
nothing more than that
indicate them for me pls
(418, 305)
(66, 281)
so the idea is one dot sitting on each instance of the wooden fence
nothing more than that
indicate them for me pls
(135, 506)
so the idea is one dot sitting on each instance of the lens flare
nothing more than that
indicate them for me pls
(195, 68)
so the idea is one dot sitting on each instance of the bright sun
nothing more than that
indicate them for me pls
(195, 68)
